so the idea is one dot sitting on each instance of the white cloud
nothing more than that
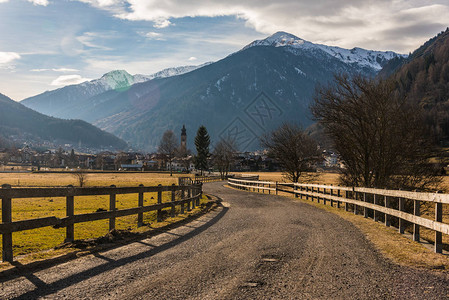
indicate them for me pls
(68, 80)
(370, 23)
(62, 70)
(7, 57)
(101, 3)
(162, 23)
(39, 2)
(3, 1)
(192, 58)
(153, 35)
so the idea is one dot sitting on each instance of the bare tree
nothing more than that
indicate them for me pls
(81, 176)
(379, 135)
(99, 162)
(293, 149)
(223, 156)
(120, 159)
(168, 146)
(4, 158)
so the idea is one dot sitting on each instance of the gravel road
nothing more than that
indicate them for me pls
(252, 247)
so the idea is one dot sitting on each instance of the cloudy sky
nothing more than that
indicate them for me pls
(46, 44)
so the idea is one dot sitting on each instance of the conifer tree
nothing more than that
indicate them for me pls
(202, 142)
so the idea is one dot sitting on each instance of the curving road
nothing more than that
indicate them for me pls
(252, 247)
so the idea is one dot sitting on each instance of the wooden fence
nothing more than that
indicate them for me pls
(245, 177)
(204, 179)
(190, 197)
(378, 204)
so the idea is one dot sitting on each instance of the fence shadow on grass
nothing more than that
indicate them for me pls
(43, 289)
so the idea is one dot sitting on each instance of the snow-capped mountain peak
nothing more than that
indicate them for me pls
(279, 39)
(115, 79)
(362, 57)
(169, 72)
(119, 79)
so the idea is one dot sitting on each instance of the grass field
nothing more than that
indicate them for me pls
(29, 241)
(93, 179)
(320, 178)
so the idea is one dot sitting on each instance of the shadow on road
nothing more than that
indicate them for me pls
(43, 289)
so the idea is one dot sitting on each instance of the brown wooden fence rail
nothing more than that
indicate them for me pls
(204, 179)
(190, 197)
(376, 203)
(245, 176)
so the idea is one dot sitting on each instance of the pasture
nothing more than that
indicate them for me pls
(30, 241)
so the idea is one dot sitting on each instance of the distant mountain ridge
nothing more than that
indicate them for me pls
(20, 122)
(58, 102)
(279, 74)
(361, 57)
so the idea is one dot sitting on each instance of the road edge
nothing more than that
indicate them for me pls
(393, 246)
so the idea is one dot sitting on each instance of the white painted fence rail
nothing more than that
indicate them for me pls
(377, 203)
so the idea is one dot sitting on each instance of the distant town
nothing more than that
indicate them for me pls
(38, 158)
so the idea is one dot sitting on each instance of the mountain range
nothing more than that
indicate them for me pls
(242, 96)
(18, 122)
(64, 101)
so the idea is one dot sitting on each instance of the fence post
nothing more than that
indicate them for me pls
(346, 203)
(332, 194)
(140, 204)
(307, 193)
(70, 211)
(6, 218)
(338, 195)
(276, 187)
(189, 195)
(387, 216)
(173, 198)
(318, 197)
(112, 208)
(200, 192)
(365, 209)
(376, 214)
(193, 195)
(438, 234)
(416, 212)
(354, 196)
(183, 196)
(401, 221)
(159, 201)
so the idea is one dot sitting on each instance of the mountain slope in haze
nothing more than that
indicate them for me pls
(424, 79)
(241, 96)
(20, 121)
(63, 102)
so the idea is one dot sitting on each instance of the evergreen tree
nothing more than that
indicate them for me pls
(202, 142)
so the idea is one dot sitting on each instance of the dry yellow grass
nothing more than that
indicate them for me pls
(319, 178)
(29, 241)
(93, 179)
